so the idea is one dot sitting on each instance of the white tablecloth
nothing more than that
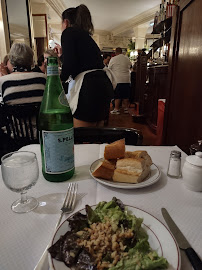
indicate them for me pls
(23, 237)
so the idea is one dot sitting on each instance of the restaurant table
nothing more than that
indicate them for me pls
(23, 237)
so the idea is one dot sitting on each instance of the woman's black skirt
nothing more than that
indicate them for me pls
(94, 97)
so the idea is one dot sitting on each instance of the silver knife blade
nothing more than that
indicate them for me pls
(180, 238)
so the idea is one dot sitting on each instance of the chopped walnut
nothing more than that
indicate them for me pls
(103, 240)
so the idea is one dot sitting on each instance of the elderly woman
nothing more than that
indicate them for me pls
(22, 86)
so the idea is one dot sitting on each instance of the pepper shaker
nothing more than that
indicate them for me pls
(174, 166)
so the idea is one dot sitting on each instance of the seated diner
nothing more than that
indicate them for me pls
(22, 86)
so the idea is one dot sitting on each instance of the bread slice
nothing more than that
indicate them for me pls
(130, 170)
(139, 154)
(105, 169)
(115, 150)
(130, 164)
(125, 177)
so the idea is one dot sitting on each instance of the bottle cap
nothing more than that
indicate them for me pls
(176, 154)
(195, 159)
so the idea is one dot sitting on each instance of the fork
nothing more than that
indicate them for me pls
(69, 201)
(67, 208)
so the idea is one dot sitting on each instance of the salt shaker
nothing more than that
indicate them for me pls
(174, 166)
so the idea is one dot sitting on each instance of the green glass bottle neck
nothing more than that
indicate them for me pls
(54, 97)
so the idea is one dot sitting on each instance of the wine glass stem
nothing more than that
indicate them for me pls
(23, 197)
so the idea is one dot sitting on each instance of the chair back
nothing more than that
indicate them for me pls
(20, 122)
(107, 135)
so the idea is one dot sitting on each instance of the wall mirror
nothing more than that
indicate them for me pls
(18, 21)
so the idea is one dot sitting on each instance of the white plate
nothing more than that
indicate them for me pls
(160, 239)
(152, 178)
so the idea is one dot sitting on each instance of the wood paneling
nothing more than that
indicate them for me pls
(155, 90)
(183, 124)
(140, 80)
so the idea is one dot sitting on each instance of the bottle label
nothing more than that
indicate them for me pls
(58, 151)
(52, 70)
(63, 99)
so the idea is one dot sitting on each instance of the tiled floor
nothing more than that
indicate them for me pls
(126, 120)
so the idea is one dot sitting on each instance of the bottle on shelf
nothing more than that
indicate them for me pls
(165, 12)
(159, 17)
(175, 2)
(56, 128)
(162, 12)
(156, 19)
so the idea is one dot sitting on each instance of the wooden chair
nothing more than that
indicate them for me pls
(107, 135)
(19, 126)
(19, 122)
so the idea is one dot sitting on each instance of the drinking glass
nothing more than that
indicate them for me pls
(20, 172)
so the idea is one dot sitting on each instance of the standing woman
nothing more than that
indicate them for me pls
(81, 59)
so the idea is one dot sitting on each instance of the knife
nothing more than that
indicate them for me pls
(182, 241)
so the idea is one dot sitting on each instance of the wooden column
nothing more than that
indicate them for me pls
(183, 115)
(141, 80)
(156, 89)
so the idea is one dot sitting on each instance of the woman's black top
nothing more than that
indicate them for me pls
(80, 53)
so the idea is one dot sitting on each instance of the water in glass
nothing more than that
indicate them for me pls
(20, 172)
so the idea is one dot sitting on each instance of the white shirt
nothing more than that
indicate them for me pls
(120, 65)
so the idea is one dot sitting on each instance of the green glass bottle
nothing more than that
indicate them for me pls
(56, 128)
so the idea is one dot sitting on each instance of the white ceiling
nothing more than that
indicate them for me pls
(108, 14)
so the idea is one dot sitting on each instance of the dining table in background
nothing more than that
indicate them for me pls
(24, 237)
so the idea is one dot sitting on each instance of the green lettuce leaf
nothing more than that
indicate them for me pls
(138, 260)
